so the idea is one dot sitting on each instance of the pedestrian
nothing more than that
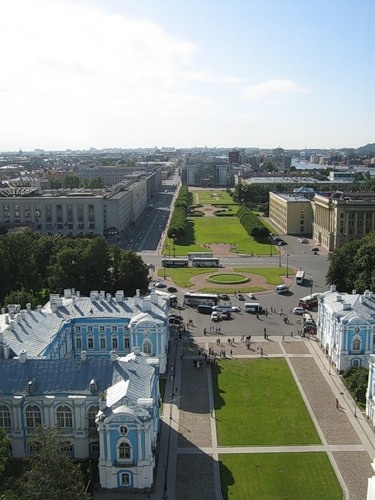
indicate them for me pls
(291, 333)
(265, 336)
(266, 313)
(257, 316)
(219, 330)
(205, 331)
(231, 352)
(264, 331)
(283, 337)
(337, 404)
(229, 341)
(233, 340)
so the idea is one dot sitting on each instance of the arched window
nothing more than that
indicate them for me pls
(5, 420)
(91, 414)
(355, 362)
(33, 416)
(90, 343)
(147, 347)
(356, 344)
(64, 417)
(67, 448)
(125, 479)
(102, 342)
(114, 342)
(124, 451)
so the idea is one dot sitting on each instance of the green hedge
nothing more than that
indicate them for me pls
(252, 224)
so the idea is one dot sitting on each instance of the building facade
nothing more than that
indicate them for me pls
(97, 325)
(290, 214)
(79, 212)
(106, 410)
(339, 218)
(346, 327)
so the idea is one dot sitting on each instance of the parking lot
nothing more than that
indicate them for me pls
(278, 321)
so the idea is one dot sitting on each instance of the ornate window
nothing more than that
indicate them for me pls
(147, 348)
(123, 430)
(64, 417)
(124, 451)
(126, 343)
(89, 329)
(5, 420)
(101, 329)
(356, 346)
(90, 343)
(78, 329)
(33, 416)
(102, 342)
(78, 343)
(67, 448)
(114, 329)
(91, 414)
(125, 479)
(114, 342)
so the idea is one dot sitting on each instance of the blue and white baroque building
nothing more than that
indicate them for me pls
(346, 327)
(90, 366)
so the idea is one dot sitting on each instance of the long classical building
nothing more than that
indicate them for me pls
(79, 212)
(89, 365)
(331, 219)
(346, 327)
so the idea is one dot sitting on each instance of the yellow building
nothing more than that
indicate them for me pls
(290, 213)
(339, 218)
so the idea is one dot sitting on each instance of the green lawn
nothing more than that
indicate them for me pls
(212, 197)
(257, 403)
(289, 476)
(205, 230)
(271, 274)
(181, 277)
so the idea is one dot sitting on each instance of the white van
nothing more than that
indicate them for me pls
(253, 307)
(307, 317)
(282, 289)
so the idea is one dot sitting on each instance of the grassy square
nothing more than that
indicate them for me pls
(257, 403)
(279, 475)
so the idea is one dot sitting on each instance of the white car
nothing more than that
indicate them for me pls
(251, 296)
(215, 316)
(303, 240)
(235, 309)
(298, 310)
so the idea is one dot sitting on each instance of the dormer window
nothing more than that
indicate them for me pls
(30, 386)
(93, 386)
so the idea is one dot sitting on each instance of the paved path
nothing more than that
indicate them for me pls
(188, 466)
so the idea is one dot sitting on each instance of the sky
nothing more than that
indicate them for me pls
(186, 73)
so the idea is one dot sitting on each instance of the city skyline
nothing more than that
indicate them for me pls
(109, 74)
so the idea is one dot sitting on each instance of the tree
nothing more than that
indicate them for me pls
(352, 267)
(356, 380)
(4, 450)
(70, 182)
(132, 274)
(51, 473)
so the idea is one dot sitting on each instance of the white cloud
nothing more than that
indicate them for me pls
(272, 90)
(75, 72)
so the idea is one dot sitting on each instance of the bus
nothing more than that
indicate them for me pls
(205, 262)
(194, 299)
(172, 299)
(300, 277)
(175, 263)
(192, 255)
(309, 302)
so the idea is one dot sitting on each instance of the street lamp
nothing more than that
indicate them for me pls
(355, 407)
(287, 264)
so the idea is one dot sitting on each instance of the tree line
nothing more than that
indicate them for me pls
(32, 266)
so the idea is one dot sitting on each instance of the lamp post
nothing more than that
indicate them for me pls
(355, 407)
(279, 259)
(287, 264)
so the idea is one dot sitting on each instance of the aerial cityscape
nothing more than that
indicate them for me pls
(187, 265)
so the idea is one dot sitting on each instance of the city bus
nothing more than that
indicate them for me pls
(175, 263)
(205, 262)
(192, 255)
(309, 302)
(194, 299)
(300, 277)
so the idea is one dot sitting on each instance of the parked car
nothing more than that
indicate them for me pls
(226, 315)
(215, 316)
(224, 296)
(240, 296)
(176, 316)
(159, 284)
(314, 249)
(298, 310)
(235, 309)
(303, 240)
(172, 289)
